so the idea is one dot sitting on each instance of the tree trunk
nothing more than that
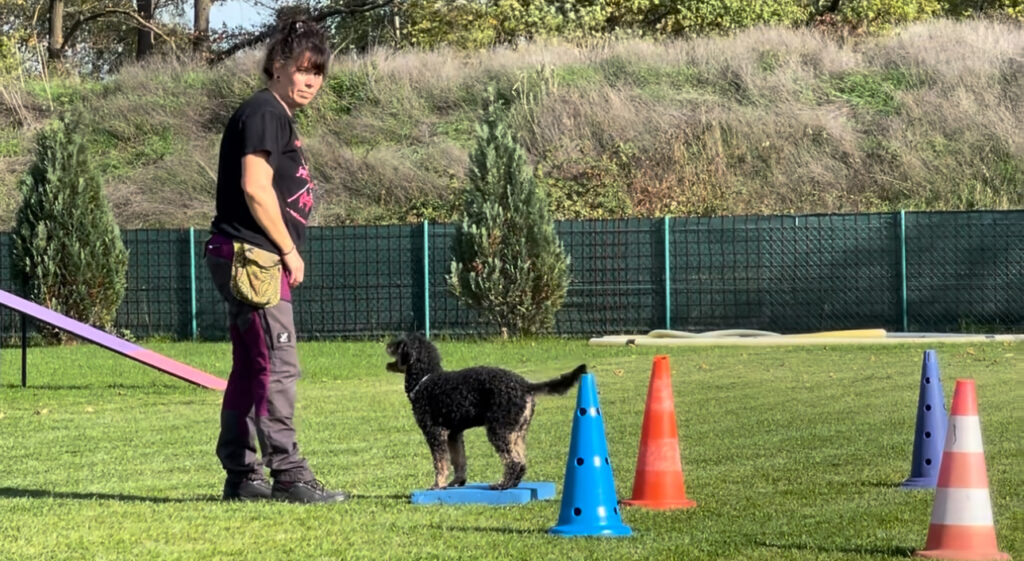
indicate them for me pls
(145, 41)
(201, 27)
(53, 50)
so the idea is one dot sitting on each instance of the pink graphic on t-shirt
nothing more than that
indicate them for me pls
(296, 215)
(306, 200)
(304, 196)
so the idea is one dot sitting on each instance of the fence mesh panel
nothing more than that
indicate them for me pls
(964, 271)
(158, 296)
(617, 277)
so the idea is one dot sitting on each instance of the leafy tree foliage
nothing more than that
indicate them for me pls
(1011, 8)
(881, 14)
(690, 17)
(474, 24)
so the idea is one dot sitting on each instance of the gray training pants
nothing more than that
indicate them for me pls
(260, 397)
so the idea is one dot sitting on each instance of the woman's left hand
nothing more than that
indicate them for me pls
(296, 268)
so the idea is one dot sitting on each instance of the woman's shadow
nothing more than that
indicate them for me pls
(15, 493)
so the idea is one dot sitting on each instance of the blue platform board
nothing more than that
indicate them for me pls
(481, 493)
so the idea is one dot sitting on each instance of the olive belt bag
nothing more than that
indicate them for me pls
(255, 275)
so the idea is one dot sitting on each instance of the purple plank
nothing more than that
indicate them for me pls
(116, 344)
(75, 327)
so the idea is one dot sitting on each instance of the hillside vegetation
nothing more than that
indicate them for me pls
(768, 120)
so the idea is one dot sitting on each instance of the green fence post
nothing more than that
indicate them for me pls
(426, 279)
(668, 276)
(192, 278)
(903, 268)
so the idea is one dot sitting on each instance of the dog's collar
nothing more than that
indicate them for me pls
(418, 384)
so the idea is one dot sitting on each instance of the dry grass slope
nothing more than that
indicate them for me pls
(768, 120)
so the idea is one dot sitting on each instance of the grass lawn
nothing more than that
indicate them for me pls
(791, 453)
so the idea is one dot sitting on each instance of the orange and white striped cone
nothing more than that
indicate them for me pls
(659, 482)
(961, 525)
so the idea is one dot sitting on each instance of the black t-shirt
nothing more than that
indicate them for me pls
(262, 124)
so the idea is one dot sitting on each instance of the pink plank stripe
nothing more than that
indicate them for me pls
(116, 344)
(177, 369)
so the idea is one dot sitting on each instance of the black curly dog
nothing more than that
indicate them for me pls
(447, 403)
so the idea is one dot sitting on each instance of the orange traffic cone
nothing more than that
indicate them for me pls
(961, 526)
(659, 482)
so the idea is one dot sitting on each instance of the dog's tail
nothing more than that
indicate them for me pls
(559, 385)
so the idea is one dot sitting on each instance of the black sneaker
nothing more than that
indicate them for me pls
(246, 490)
(311, 491)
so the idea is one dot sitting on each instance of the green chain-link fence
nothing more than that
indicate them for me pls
(951, 271)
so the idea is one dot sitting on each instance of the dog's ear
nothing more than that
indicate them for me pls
(404, 353)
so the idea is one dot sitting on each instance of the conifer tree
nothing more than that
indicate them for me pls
(508, 263)
(67, 252)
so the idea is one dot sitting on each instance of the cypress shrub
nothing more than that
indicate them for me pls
(508, 263)
(67, 253)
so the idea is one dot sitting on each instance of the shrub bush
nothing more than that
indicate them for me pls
(67, 252)
(509, 265)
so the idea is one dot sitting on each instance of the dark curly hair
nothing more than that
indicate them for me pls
(294, 36)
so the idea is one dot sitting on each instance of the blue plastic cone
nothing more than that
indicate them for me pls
(589, 504)
(930, 434)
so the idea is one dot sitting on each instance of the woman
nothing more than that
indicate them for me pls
(264, 199)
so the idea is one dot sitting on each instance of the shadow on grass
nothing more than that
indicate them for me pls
(881, 484)
(113, 386)
(384, 498)
(891, 551)
(488, 529)
(15, 493)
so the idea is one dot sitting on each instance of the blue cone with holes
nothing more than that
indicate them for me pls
(589, 504)
(930, 434)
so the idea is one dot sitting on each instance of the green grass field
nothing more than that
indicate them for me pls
(791, 453)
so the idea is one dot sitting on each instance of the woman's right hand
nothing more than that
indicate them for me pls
(296, 268)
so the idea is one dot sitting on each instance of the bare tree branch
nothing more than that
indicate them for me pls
(353, 8)
(135, 18)
(366, 6)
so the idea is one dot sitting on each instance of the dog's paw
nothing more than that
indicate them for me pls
(393, 367)
(500, 486)
(436, 487)
(460, 482)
